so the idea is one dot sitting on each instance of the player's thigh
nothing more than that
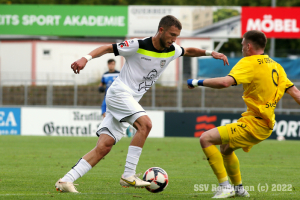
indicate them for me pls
(240, 135)
(139, 118)
(123, 105)
(112, 127)
(105, 140)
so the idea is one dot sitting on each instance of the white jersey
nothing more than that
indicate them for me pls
(144, 64)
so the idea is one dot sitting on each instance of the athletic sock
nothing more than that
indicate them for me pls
(81, 168)
(225, 183)
(132, 160)
(215, 160)
(232, 165)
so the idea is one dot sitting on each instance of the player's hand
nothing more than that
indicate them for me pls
(101, 89)
(190, 84)
(79, 65)
(220, 56)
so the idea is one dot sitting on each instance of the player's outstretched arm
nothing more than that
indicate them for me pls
(295, 93)
(196, 52)
(217, 83)
(80, 63)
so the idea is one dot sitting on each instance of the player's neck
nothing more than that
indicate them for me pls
(256, 53)
(156, 43)
(110, 71)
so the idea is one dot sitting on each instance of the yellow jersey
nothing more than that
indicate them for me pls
(264, 82)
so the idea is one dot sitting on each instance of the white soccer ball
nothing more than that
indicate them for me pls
(158, 179)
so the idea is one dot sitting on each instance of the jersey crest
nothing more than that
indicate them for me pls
(162, 63)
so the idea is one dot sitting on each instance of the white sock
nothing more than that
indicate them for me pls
(225, 183)
(132, 160)
(81, 168)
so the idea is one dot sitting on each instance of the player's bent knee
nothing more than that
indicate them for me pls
(144, 127)
(148, 126)
(204, 139)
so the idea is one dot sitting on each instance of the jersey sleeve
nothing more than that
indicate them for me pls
(289, 84)
(103, 80)
(126, 48)
(242, 72)
(179, 51)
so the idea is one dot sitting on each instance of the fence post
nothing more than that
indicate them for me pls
(25, 94)
(203, 97)
(280, 105)
(49, 94)
(75, 93)
(179, 86)
(153, 97)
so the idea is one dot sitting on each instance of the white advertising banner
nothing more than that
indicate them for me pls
(73, 122)
(60, 121)
(197, 21)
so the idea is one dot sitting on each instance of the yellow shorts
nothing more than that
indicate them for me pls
(244, 133)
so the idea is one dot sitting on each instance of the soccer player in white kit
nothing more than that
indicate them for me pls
(146, 59)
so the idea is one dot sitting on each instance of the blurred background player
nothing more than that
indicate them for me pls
(264, 82)
(107, 79)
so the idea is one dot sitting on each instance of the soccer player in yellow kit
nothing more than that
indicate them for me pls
(264, 82)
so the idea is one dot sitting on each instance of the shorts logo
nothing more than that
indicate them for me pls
(242, 125)
(122, 44)
(162, 63)
(233, 130)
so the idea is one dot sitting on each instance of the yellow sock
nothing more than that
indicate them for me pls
(215, 160)
(232, 165)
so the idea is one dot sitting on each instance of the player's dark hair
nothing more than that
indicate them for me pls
(169, 20)
(258, 38)
(110, 61)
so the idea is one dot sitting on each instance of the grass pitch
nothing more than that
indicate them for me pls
(30, 166)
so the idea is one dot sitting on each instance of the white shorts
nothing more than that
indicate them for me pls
(122, 108)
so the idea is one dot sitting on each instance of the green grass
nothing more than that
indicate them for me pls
(30, 166)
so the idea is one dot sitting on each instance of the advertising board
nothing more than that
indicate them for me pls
(63, 20)
(194, 124)
(279, 22)
(10, 121)
(74, 121)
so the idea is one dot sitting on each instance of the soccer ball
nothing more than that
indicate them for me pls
(280, 138)
(158, 179)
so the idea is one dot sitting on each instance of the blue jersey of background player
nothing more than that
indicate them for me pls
(107, 79)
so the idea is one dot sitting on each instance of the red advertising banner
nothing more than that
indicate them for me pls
(279, 22)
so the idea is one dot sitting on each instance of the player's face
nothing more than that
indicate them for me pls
(245, 48)
(169, 36)
(111, 66)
